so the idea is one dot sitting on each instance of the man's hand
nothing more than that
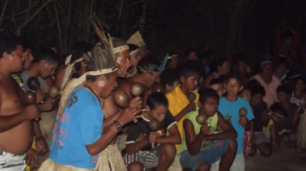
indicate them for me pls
(190, 107)
(243, 121)
(129, 114)
(136, 102)
(41, 146)
(205, 129)
(31, 112)
(32, 158)
(47, 105)
(153, 137)
(40, 96)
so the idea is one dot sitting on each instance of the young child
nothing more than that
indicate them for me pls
(246, 94)
(229, 106)
(260, 110)
(285, 128)
(201, 147)
(298, 95)
(169, 79)
(217, 85)
(140, 137)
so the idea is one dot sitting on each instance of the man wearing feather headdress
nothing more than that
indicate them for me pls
(78, 149)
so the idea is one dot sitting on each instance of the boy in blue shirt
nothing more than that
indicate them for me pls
(229, 107)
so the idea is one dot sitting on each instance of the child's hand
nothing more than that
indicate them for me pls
(191, 107)
(205, 129)
(243, 121)
(141, 137)
(153, 137)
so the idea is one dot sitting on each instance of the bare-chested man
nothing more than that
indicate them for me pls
(16, 131)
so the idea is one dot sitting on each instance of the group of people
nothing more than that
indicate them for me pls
(200, 114)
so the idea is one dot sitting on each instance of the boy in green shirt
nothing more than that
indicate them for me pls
(201, 147)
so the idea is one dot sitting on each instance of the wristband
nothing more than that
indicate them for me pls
(118, 126)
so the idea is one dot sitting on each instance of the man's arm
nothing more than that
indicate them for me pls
(136, 146)
(228, 130)
(193, 141)
(173, 138)
(108, 122)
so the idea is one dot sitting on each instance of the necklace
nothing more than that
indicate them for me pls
(91, 91)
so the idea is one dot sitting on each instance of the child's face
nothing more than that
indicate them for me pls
(299, 87)
(218, 88)
(169, 88)
(256, 98)
(282, 96)
(246, 94)
(232, 87)
(159, 112)
(209, 107)
(191, 83)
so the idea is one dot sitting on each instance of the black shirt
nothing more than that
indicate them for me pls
(142, 127)
(258, 111)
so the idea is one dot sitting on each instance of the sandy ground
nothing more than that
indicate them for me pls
(284, 160)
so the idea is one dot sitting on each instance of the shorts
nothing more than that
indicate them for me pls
(11, 162)
(238, 164)
(260, 138)
(210, 155)
(149, 159)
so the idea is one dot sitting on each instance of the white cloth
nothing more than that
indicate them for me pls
(11, 162)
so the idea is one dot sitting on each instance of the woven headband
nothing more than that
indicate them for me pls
(120, 49)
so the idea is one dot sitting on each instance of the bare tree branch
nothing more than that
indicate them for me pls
(29, 19)
(3, 11)
(22, 12)
(58, 28)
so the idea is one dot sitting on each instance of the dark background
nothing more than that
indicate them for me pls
(226, 27)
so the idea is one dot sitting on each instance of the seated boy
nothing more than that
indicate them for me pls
(217, 84)
(200, 147)
(285, 127)
(169, 79)
(229, 106)
(260, 110)
(140, 137)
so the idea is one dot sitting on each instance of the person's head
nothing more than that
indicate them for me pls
(287, 37)
(106, 82)
(191, 54)
(189, 75)
(122, 56)
(169, 79)
(257, 94)
(221, 65)
(299, 85)
(47, 62)
(208, 102)
(157, 106)
(100, 74)
(205, 58)
(173, 60)
(281, 67)
(134, 54)
(233, 84)
(284, 93)
(10, 54)
(148, 70)
(27, 56)
(245, 93)
(78, 50)
(266, 69)
(240, 65)
(217, 85)
(143, 50)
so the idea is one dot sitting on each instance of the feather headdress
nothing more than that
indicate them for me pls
(136, 39)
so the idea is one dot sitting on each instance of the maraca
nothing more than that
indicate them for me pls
(158, 88)
(29, 97)
(242, 112)
(154, 125)
(121, 98)
(54, 91)
(201, 119)
(137, 89)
